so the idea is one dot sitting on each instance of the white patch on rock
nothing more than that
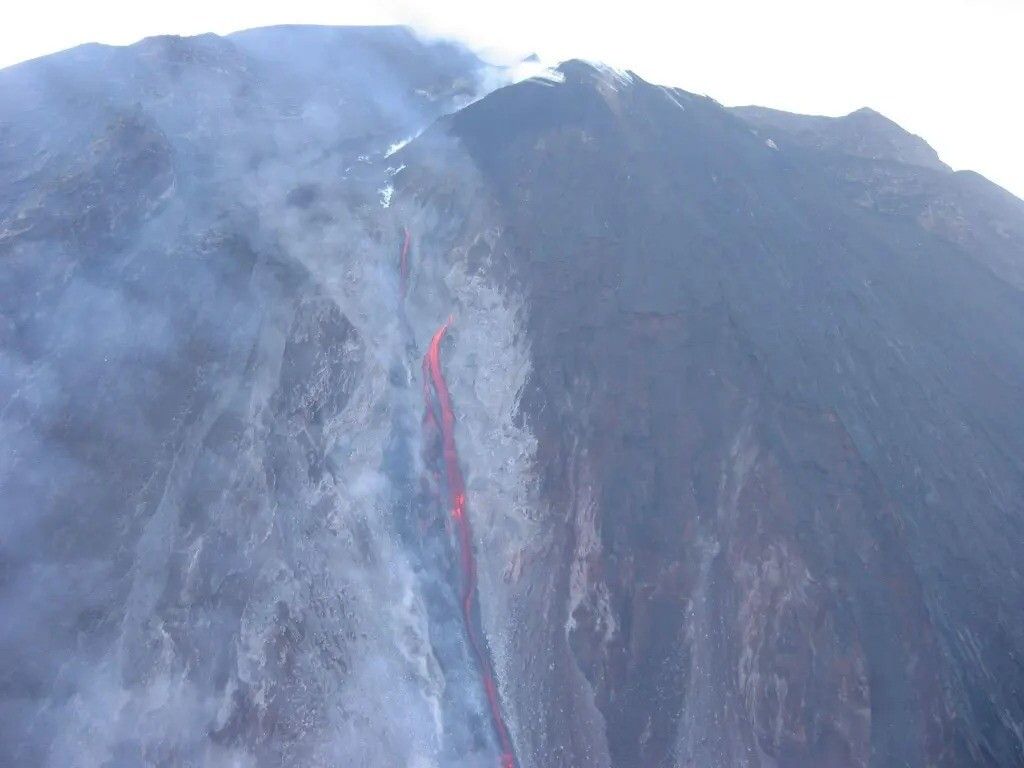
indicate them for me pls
(674, 96)
(397, 146)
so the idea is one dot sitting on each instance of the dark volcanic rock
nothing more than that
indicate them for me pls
(864, 133)
(794, 421)
(738, 401)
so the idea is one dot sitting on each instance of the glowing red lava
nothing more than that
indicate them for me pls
(433, 378)
(403, 264)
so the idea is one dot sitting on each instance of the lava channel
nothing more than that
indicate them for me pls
(435, 390)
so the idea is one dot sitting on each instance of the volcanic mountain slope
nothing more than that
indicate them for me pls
(734, 399)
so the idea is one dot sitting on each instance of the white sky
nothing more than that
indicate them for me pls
(949, 70)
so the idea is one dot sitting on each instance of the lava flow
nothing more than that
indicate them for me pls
(403, 265)
(433, 379)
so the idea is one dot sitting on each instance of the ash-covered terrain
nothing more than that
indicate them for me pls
(361, 405)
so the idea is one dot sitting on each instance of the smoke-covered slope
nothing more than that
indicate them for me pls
(728, 412)
(195, 570)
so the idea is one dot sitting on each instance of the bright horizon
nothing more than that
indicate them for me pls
(946, 70)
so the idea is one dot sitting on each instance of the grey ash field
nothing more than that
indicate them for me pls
(738, 400)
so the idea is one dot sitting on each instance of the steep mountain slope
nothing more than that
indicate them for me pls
(191, 570)
(726, 405)
(793, 484)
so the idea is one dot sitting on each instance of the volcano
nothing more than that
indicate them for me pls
(718, 460)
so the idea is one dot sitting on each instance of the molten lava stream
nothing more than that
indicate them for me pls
(433, 378)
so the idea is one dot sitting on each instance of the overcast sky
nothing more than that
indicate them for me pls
(949, 70)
